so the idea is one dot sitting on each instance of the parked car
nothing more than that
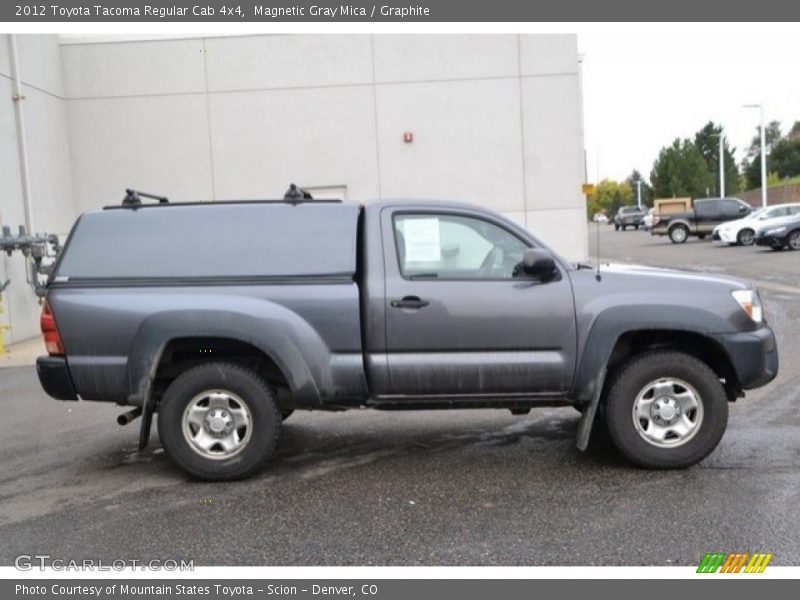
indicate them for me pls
(780, 234)
(705, 215)
(647, 220)
(600, 218)
(392, 305)
(629, 216)
(742, 232)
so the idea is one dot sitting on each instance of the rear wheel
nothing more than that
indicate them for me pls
(793, 241)
(219, 421)
(678, 234)
(746, 237)
(666, 410)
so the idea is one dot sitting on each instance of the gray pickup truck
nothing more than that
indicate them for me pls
(223, 318)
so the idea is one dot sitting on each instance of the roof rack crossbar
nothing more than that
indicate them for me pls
(134, 198)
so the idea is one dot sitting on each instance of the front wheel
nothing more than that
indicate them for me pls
(666, 410)
(219, 421)
(793, 241)
(746, 237)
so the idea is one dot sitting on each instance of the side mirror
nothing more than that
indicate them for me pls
(744, 209)
(538, 263)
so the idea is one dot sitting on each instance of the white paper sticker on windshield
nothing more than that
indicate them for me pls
(422, 240)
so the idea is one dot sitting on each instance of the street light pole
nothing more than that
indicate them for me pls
(721, 137)
(639, 193)
(721, 165)
(760, 107)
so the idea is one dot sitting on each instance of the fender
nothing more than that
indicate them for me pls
(683, 222)
(313, 374)
(606, 330)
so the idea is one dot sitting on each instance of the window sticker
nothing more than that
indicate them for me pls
(422, 240)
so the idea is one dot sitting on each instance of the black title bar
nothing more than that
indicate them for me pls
(250, 11)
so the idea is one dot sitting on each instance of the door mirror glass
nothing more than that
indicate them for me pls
(538, 263)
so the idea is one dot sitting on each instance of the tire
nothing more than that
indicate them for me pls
(637, 228)
(637, 439)
(221, 396)
(746, 237)
(793, 241)
(678, 234)
(624, 227)
(776, 248)
(616, 227)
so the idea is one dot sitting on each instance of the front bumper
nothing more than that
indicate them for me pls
(770, 240)
(754, 355)
(55, 378)
(723, 235)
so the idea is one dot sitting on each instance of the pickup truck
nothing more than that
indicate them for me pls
(629, 216)
(223, 318)
(700, 221)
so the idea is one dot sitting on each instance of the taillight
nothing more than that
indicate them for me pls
(52, 339)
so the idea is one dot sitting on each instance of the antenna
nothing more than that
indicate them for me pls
(597, 275)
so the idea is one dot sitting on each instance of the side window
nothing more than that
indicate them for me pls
(793, 210)
(455, 247)
(778, 212)
(730, 208)
(706, 208)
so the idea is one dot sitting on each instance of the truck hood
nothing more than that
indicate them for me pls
(657, 276)
(669, 298)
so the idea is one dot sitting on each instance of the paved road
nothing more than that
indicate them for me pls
(441, 488)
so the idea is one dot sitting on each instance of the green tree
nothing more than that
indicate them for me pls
(647, 189)
(752, 173)
(680, 170)
(772, 135)
(608, 196)
(707, 142)
(785, 158)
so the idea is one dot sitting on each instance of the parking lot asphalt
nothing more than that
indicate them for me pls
(420, 488)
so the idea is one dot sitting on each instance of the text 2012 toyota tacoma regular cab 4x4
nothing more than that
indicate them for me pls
(225, 317)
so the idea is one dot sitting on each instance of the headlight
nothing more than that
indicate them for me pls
(775, 231)
(750, 302)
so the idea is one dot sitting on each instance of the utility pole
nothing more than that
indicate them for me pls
(760, 107)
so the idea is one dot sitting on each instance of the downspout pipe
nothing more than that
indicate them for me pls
(22, 139)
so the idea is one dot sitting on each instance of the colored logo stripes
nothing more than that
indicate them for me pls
(734, 562)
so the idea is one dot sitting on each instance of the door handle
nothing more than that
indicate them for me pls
(410, 302)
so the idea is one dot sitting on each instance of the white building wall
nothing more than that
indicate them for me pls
(496, 121)
(46, 130)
